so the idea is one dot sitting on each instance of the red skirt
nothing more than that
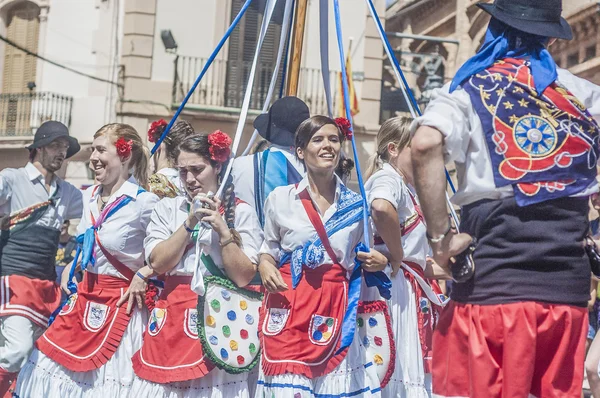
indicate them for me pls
(171, 351)
(34, 299)
(89, 328)
(301, 327)
(509, 350)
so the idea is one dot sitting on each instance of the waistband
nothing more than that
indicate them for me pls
(326, 272)
(92, 281)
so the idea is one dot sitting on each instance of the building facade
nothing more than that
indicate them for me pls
(110, 64)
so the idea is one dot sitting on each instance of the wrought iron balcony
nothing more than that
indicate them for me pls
(225, 82)
(21, 114)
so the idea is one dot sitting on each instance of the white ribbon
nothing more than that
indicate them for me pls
(324, 42)
(197, 284)
(282, 40)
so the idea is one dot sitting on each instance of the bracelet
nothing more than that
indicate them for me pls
(228, 241)
(190, 230)
(139, 274)
(440, 238)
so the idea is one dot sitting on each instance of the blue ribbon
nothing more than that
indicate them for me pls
(72, 286)
(89, 237)
(501, 42)
(378, 279)
(201, 75)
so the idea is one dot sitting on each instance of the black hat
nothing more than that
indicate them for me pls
(51, 131)
(279, 125)
(538, 17)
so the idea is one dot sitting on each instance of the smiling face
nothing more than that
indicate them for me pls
(197, 173)
(105, 162)
(52, 156)
(322, 153)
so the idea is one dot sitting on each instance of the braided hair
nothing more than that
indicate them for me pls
(229, 206)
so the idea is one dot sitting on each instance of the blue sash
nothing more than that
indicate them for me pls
(271, 170)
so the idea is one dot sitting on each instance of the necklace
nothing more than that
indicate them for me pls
(102, 203)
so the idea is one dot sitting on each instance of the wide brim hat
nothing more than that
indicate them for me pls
(538, 17)
(279, 125)
(51, 131)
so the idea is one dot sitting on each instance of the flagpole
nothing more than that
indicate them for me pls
(296, 53)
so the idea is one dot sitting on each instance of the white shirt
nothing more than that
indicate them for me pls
(122, 234)
(387, 184)
(243, 173)
(25, 187)
(464, 140)
(170, 214)
(287, 226)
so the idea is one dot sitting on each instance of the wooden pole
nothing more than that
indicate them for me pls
(293, 74)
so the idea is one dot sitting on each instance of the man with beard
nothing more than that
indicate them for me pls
(34, 203)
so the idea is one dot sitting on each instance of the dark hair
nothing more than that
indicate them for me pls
(178, 132)
(310, 126)
(32, 153)
(344, 168)
(198, 144)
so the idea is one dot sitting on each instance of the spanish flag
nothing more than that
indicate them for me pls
(351, 92)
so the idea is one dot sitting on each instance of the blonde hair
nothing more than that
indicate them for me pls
(393, 131)
(139, 152)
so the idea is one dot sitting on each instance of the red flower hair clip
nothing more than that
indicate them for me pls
(220, 144)
(124, 147)
(344, 125)
(156, 129)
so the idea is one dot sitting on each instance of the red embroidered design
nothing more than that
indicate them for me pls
(219, 146)
(156, 129)
(124, 147)
(344, 125)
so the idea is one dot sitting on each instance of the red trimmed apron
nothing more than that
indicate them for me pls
(89, 327)
(171, 351)
(34, 299)
(428, 312)
(301, 327)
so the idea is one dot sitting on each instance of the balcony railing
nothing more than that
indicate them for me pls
(21, 114)
(225, 82)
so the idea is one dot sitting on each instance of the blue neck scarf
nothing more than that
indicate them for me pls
(502, 41)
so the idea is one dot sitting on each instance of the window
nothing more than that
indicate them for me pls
(590, 52)
(242, 45)
(22, 27)
(572, 60)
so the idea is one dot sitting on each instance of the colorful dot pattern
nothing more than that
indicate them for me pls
(234, 345)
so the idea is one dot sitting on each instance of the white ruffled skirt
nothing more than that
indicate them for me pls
(42, 377)
(355, 376)
(216, 384)
(409, 379)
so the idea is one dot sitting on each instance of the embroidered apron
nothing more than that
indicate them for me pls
(171, 351)
(301, 327)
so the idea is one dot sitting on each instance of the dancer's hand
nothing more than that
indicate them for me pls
(271, 277)
(64, 278)
(136, 293)
(372, 261)
(452, 245)
(212, 216)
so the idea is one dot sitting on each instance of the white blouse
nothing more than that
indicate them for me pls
(287, 226)
(122, 234)
(387, 184)
(170, 214)
(465, 144)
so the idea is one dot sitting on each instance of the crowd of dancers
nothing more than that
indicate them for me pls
(197, 282)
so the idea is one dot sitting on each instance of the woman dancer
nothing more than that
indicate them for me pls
(171, 362)
(316, 224)
(87, 351)
(165, 181)
(400, 234)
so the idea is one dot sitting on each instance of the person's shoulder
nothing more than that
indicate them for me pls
(12, 173)
(147, 198)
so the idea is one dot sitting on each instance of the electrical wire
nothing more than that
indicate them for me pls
(33, 54)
